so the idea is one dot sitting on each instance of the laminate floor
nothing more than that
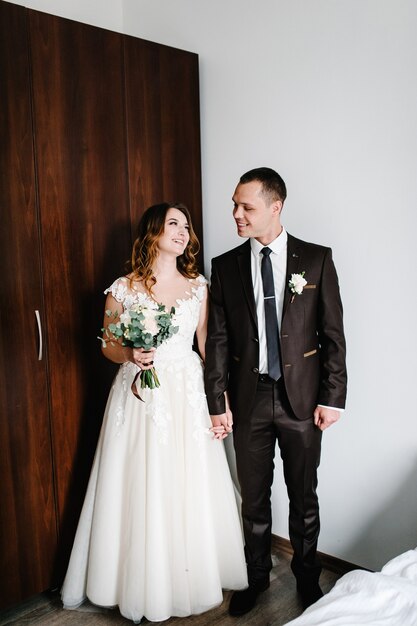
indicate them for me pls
(275, 607)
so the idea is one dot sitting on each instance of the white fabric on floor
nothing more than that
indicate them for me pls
(359, 598)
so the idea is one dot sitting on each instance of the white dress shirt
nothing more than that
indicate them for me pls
(278, 258)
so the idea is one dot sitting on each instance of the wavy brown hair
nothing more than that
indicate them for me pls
(145, 248)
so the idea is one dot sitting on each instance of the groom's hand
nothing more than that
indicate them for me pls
(222, 424)
(325, 417)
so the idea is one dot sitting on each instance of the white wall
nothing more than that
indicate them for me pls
(104, 13)
(324, 91)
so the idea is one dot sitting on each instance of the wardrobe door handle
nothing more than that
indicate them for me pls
(38, 319)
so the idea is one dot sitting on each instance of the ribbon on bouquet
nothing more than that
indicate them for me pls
(148, 378)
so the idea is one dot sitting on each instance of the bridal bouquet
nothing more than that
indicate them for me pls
(145, 326)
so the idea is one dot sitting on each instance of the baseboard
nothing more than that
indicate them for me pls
(338, 566)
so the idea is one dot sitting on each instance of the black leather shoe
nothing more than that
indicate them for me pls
(243, 601)
(310, 592)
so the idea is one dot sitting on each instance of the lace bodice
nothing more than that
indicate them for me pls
(186, 314)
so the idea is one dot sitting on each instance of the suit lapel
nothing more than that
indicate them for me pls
(293, 265)
(244, 263)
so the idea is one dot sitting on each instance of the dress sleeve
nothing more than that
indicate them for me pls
(200, 286)
(118, 289)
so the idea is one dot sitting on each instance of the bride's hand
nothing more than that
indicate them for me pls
(229, 418)
(229, 414)
(143, 358)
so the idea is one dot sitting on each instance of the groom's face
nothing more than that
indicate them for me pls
(254, 215)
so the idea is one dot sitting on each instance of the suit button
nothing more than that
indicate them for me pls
(255, 370)
(255, 339)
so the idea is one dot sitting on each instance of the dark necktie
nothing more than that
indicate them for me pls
(271, 322)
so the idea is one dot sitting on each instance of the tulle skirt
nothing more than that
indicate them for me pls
(159, 534)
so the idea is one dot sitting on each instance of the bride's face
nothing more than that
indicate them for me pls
(176, 234)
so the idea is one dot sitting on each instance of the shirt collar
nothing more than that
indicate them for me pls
(277, 245)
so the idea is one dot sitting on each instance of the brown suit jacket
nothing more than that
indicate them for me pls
(311, 333)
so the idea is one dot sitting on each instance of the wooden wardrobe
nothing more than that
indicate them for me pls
(95, 126)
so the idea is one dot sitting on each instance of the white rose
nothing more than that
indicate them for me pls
(149, 322)
(297, 283)
(125, 318)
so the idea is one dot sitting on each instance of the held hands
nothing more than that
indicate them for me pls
(325, 417)
(143, 358)
(222, 424)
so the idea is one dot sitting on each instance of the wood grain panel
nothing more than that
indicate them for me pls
(27, 513)
(163, 128)
(88, 119)
(78, 95)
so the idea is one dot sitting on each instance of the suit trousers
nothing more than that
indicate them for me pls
(271, 420)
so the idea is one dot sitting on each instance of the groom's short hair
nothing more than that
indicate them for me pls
(273, 186)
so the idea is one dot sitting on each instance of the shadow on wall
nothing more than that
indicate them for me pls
(393, 531)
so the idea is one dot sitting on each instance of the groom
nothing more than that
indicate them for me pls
(276, 344)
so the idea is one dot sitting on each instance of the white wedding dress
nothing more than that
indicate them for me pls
(159, 533)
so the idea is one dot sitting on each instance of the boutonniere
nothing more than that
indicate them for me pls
(296, 284)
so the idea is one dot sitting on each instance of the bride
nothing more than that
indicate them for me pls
(159, 533)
